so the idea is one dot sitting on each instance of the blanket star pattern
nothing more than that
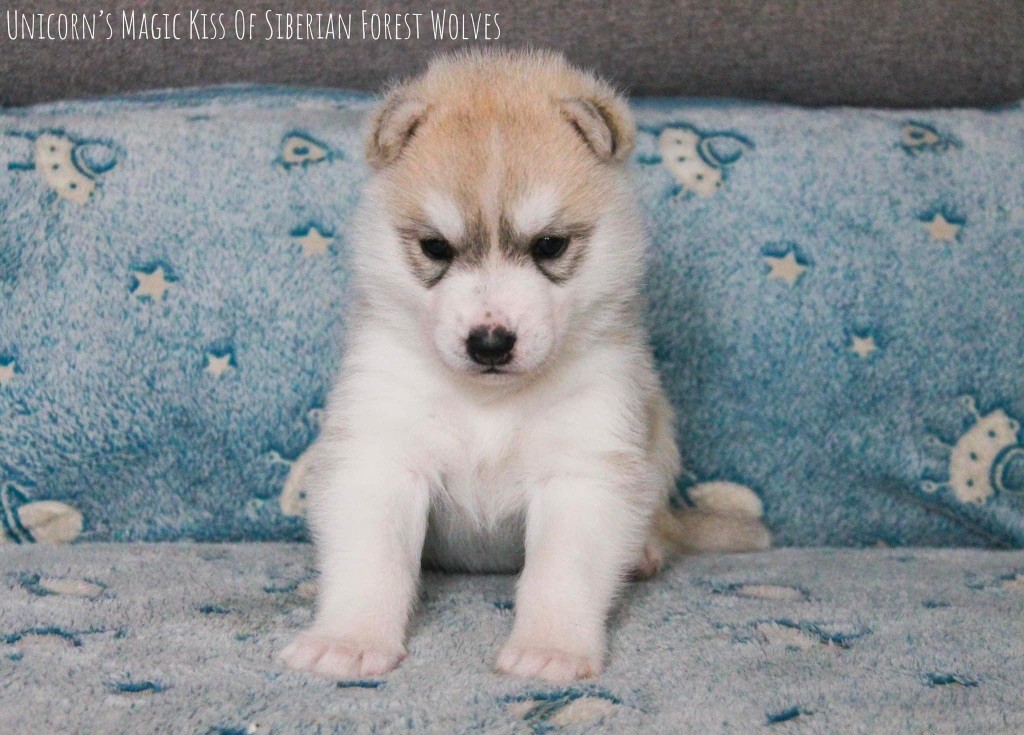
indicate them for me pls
(835, 305)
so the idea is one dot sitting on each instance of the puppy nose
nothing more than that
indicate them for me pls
(490, 345)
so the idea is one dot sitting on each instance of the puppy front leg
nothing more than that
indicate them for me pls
(581, 536)
(370, 525)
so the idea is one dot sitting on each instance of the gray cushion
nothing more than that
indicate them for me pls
(884, 53)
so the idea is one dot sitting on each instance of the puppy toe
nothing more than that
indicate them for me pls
(337, 662)
(552, 665)
(380, 662)
(561, 669)
(336, 657)
(304, 651)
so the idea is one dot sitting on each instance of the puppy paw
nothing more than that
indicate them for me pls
(340, 657)
(552, 665)
(650, 561)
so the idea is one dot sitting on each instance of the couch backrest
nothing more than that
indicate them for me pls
(905, 53)
(835, 306)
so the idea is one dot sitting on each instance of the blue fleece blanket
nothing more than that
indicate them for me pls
(837, 306)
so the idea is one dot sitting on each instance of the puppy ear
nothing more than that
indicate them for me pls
(392, 127)
(605, 124)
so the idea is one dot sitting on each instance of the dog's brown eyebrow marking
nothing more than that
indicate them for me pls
(510, 242)
(514, 244)
(470, 249)
(475, 242)
(519, 248)
(429, 272)
(473, 246)
(564, 268)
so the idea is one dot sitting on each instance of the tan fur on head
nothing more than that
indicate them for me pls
(482, 84)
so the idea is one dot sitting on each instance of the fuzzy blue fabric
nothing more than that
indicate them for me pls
(837, 306)
(150, 639)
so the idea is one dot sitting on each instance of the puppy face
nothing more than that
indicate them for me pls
(499, 278)
(503, 212)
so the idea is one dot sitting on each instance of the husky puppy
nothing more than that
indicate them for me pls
(497, 407)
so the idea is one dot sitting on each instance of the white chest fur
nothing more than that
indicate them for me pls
(478, 501)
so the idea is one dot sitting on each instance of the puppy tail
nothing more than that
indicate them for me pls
(725, 517)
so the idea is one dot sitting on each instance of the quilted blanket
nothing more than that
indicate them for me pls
(836, 304)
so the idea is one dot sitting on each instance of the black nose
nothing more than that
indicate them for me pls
(490, 345)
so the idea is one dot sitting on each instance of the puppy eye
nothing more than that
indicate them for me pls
(437, 248)
(549, 248)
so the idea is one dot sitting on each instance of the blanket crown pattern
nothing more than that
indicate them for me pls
(836, 305)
